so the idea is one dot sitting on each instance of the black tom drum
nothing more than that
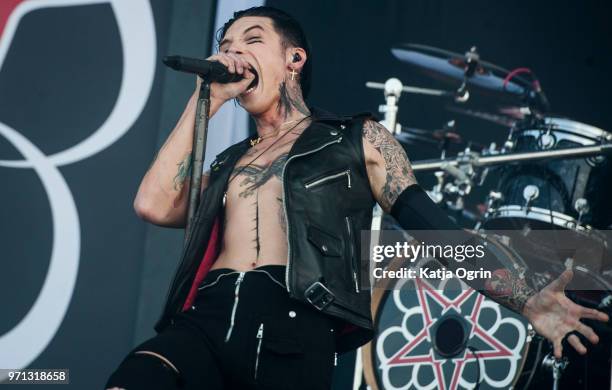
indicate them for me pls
(558, 194)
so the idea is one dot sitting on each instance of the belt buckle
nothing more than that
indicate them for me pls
(318, 295)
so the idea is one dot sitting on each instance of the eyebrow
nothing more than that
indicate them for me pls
(226, 40)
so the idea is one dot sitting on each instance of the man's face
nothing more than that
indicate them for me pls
(254, 38)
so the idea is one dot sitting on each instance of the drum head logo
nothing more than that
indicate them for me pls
(449, 337)
(135, 24)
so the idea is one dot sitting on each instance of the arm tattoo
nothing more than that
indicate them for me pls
(399, 173)
(508, 289)
(184, 167)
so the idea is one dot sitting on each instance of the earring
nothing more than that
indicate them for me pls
(293, 73)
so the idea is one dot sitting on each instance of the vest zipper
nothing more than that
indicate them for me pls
(336, 141)
(352, 251)
(259, 340)
(330, 177)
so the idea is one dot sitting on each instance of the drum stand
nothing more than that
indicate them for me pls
(556, 366)
(477, 161)
(393, 89)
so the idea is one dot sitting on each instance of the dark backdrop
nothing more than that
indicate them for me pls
(568, 44)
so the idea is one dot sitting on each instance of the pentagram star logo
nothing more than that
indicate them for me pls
(483, 342)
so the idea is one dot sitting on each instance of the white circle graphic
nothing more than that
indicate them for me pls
(24, 343)
(137, 31)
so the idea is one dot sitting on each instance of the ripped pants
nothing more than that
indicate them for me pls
(242, 332)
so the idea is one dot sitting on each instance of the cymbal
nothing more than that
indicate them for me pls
(503, 119)
(448, 66)
(412, 135)
(513, 112)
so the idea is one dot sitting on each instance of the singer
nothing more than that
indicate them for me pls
(267, 293)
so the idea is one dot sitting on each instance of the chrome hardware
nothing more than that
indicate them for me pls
(530, 193)
(259, 338)
(330, 177)
(582, 207)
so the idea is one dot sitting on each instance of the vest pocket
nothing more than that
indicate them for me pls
(328, 244)
(344, 174)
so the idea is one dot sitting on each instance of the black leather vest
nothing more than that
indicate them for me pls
(327, 200)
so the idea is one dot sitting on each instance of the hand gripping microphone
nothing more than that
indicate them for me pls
(213, 71)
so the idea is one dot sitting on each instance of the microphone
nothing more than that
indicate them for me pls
(212, 71)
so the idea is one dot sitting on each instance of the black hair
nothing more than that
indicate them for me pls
(287, 27)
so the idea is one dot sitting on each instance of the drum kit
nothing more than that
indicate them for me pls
(548, 186)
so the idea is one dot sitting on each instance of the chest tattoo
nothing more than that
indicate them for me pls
(255, 176)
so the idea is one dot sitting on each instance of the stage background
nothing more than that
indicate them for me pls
(61, 74)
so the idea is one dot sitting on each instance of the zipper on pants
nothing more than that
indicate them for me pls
(259, 340)
(233, 317)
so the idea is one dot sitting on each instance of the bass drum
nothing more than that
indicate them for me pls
(441, 334)
(444, 335)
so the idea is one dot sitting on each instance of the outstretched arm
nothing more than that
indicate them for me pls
(396, 190)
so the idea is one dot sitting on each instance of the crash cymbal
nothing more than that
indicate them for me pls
(412, 135)
(519, 113)
(448, 66)
(451, 136)
(499, 119)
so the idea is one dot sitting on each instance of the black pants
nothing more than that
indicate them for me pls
(243, 332)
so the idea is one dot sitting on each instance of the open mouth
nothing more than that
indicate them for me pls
(253, 84)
